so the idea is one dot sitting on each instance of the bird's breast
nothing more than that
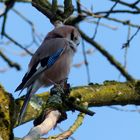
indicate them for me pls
(59, 71)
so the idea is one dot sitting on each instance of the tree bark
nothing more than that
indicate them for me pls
(6, 115)
(108, 93)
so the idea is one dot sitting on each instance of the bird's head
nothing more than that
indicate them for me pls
(68, 32)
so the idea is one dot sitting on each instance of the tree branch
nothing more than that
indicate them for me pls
(9, 62)
(109, 93)
(16, 43)
(52, 11)
(130, 5)
(39, 130)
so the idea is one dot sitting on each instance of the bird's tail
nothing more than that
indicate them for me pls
(25, 104)
(30, 91)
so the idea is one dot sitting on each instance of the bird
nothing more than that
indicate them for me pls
(51, 62)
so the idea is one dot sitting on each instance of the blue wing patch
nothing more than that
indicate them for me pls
(52, 59)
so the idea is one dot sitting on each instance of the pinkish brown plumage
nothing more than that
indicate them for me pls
(51, 62)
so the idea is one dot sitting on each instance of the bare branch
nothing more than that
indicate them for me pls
(126, 49)
(131, 38)
(130, 5)
(34, 33)
(124, 22)
(68, 8)
(16, 43)
(86, 61)
(9, 62)
(111, 9)
(57, 15)
(118, 12)
(96, 28)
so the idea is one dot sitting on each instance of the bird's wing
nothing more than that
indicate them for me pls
(44, 58)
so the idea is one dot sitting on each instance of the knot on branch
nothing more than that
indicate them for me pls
(52, 11)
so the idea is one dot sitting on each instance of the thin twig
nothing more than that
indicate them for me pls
(34, 34)
(111, 9)
(136, 2)
(124, 22)
(96, 28)
(9, 62)
(126, 49)
(88, 13)
(130, 5)
(131, 38)
(62, 131)
(8, 5)
(16, 43)
(101, 24)
(86, 61)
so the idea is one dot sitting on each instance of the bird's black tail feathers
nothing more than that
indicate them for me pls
(25, 104)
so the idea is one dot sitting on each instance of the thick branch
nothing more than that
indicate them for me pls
(52, 11)
(109, 93)
(42, 129)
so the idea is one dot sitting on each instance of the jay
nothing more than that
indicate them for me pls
(50, 63)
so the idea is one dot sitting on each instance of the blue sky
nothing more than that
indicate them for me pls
(108, 123)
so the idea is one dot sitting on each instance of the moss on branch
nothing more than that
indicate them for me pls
(6, 115)
(108, 93)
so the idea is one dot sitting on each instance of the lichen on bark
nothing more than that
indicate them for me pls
(6, 114)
